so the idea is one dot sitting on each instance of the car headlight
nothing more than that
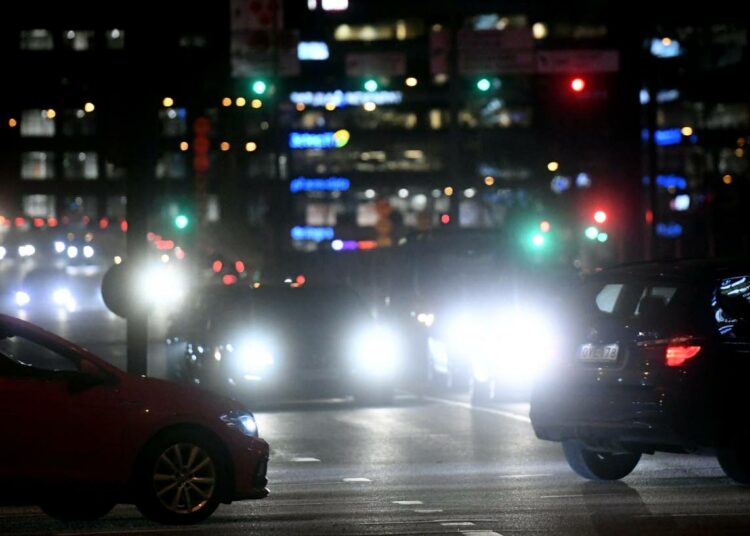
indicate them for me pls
(377, 351)
(22, 298)
(253, 357)
(242, 421)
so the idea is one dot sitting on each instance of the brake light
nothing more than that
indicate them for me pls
(679, 351)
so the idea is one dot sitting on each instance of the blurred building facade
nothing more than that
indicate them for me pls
(327, 125)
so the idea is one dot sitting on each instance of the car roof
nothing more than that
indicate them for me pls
(687, 270)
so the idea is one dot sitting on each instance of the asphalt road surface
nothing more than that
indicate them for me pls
(437, 466)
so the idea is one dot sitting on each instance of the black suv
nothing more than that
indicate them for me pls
(657, 359)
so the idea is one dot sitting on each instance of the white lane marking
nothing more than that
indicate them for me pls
(357, 479)
(525, 476)
(407, 503)
(728, 514)
(428, 510)
(480, 533)
(457, 524)
(560, 496)
(465, 405)
(303, 459)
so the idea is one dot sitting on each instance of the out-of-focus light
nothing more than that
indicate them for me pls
(578, 84)
(103, 223)
(739, 153)
(239, 266)
(117, 259)
(445, 219)
(371, 85)
(741, 142)
(489, 181)
(72, 252)
(537, 240)
(312, 51)
(602, 237)
(124, 226)
(63, 298)
(88, 252)
(217, 266)
(680, 203)
(666, 41)
(38, 222)
(669, 230)
(367, 244)
(448, 191)
(583, 180)
(50, 113)
(12, 123)
(686, 131)
(225, 146)
(184, 146)
(89, 107)
(469, 193)
(649, 216)
(26, 250)
(370, 193)
(167, 102)
(312, 232)
(591, 232)
(403, 193)
(240, 101)
(3, 252)
(665, 48)
(426, 318)
(52, 222)
(226, 102)
(256, 285)
(161, 285)
(334, 5)
(251, 146)
(164, 258)
(559, 184)
(300, 106)
(256, 103)
(20, 221)
(330, 106)
(22, 298)
(484, 84)
(259, 87)
(553, 166)
(337, 245)
(300, 279)
(600, 216)
(545, 226)
(539, 30)
(411, 81)
(727, 179)
(369, 106)
(229, 279)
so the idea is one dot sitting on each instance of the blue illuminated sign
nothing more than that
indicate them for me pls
(340, 98)
(668, 181)
(330, 184)
(312, 50)
(316, 234)
(669, 230)
(669, 136)
(318, 140)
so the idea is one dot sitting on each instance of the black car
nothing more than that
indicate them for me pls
(657, 359)
(272, 341)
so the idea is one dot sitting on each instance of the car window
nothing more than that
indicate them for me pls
(27, 353)
(606, 298)
(731, 305)
(632, 299)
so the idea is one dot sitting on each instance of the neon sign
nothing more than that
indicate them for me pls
(330, 184)
(319, 140)
(345, 98)
(316, 234)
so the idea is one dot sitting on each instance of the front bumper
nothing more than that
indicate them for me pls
(250, 467)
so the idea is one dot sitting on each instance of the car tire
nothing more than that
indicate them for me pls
(77, 507)
(735, 462)
(180, 478)
(481, 393)
(596, 465)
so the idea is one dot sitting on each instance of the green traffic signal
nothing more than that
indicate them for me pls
(537, 240)
(181, 221)
(371, 85)
(259, 87)
(484, 84)
(591, 232)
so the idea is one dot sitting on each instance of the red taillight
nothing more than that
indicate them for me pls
(679, 351)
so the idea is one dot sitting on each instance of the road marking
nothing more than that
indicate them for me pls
(303, 459)
(457, 524)
(407, 503)
(560, 496)
(357, 479)
(728, 514)
(428, 510)
(525, 476)
(480, 533)
(465, 405)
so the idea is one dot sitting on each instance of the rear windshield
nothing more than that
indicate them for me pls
(632, 299)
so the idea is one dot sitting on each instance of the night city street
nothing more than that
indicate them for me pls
(322, 267)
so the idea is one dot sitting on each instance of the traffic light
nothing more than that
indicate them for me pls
(484, 84)
(600, 216)
(537, 240)
(259, 87)
(577, 84)
(181, 221)
(371, 85)
(594, 232)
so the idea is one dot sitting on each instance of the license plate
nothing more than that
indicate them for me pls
(598, 353)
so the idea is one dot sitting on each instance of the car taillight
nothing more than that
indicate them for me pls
(680, 350)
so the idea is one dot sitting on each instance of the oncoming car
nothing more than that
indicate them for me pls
(266, 342)
(82, 436)
(656, 359)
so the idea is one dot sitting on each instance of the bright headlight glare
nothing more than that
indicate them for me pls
(242, 421)
(59, 246)
(88, 252)
(378, 350)
(254, 356)
(61, 296)
(22, 298)
(523, 345)
(161, 285)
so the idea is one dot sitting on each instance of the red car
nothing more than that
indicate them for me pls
(80, 436)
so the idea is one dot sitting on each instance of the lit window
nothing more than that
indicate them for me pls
(38, 206)
(172, 165)
(78, 40)
(36, 40)
(80, 165)
(37, 165)
(115, 39)
(36, 123)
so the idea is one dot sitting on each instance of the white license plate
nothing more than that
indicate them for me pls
(599, 353)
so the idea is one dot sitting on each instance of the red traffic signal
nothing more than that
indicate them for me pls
(578, 84)
(600, 216)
